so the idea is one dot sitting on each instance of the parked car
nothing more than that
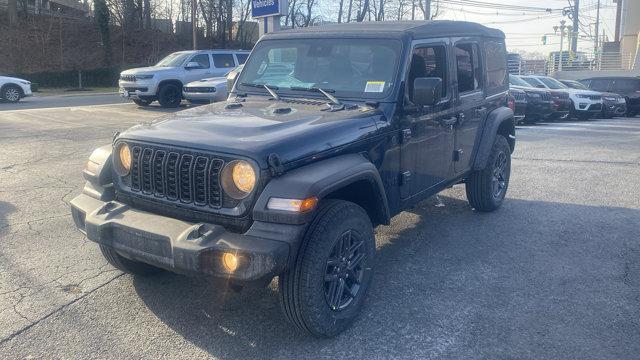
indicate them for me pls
(13, 89)
(164, 81)
(612, 104)
(584, 103)
(627, 86)
(539, 103)
(518, 103)
(289, 177)
(206, 91)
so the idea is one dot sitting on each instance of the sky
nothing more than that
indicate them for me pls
(524, 29)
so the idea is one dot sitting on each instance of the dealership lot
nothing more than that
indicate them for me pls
(554, 273)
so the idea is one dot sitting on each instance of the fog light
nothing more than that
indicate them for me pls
(230, 261)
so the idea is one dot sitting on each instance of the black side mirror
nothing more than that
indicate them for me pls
(427, 91)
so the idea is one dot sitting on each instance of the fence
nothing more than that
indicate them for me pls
(567, 62)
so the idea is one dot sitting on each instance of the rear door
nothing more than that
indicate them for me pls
(427, 133)
(223, 63)
(470, 107)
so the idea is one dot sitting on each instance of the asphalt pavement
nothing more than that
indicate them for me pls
(553, 274)
(66, 100)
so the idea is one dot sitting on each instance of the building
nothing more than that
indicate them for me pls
(68, 8)
(630, 32)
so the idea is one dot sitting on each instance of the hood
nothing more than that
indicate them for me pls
(147, 70)
(527, 89)
(582, 92)
(209, 81)
(259, 128)
(9, 78)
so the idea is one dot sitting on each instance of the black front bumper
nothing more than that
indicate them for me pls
(184, 247)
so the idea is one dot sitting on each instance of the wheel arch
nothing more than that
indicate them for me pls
(4, 86)
(176, 82)
(499, 122)
(347, 177)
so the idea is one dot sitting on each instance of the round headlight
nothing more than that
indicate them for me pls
(238, 179)
(123, 163)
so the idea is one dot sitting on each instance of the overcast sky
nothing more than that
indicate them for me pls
(524, 30)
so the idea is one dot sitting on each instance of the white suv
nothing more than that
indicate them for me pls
(13, 89)
(585, 103)
(163, 81)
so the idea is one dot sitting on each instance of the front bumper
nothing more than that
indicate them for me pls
(137, 90)
(183, 247)
(213, 97)
(614, 108)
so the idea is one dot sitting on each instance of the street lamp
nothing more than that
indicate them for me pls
(562, 27)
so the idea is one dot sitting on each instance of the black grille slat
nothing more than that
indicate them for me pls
(172, 176)
(175, 175)
(146, 177)
(200, 180)
(135, 168)
(215, 192)
(158, 172)
(185, 185)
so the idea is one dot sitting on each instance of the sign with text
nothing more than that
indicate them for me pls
(262, 8)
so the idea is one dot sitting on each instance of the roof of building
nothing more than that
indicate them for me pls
(417, 29)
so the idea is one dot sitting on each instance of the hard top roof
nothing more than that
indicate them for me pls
(418, 29)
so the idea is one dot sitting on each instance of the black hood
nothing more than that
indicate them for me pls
(260, 127)
(528, 89)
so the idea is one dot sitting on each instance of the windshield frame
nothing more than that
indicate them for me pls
(526, 84)
(284, 91)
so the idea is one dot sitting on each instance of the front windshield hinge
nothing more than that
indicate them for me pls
(275, 166)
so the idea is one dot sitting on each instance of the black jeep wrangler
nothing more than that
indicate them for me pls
(328, 132)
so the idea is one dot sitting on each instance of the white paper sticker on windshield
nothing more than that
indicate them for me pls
(374, 86)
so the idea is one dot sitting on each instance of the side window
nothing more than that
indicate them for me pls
(242, 58)
(627, 85)
(428, 61)
(223, 61)
(202, 60)
(599, 84)
(468, 67)
(496, 64)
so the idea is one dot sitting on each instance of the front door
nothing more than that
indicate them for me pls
(427, 133)
(201, 72)
(470, 109)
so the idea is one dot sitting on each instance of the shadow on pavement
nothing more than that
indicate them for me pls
(531, 280)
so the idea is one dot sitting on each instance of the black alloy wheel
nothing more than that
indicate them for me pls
(344, 271)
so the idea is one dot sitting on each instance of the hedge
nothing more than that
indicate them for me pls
(104, 77)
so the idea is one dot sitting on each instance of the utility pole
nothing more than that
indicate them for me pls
(194, 23)
(576, 25)
(562, 27)
(597, 27)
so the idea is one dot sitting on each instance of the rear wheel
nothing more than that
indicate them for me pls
(129, 266)
(170, 96)
(325, 290)
(487, 188)
(11, 93)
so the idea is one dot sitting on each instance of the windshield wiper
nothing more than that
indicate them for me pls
(324, 92)
(270, 89)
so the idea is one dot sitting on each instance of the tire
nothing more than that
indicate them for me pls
(170, 96)
(126, 265)
(311, 285)
(142, 102)
(11, 93)
(487, 188)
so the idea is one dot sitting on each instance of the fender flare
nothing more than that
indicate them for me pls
(501, 121)
(320, 179)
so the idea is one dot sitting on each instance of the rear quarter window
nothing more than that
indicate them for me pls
(496, 64)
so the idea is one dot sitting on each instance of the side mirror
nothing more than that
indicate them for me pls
(193, 65)
(427, 91)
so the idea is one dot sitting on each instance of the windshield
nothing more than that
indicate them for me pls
(517, 81)
(174, 60)
(533, 82)
(344, 67)
(552, 83)
(575, 85)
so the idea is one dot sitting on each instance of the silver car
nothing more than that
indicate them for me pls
(206, 90)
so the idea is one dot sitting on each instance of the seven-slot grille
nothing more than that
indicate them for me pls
(174, 175)
(519, 96)
(128, 77)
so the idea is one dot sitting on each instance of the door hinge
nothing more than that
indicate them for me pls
(457, 154)
(406, 135)
(405, 178)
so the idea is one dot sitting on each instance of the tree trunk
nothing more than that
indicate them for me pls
(12, 12)
(340, 11)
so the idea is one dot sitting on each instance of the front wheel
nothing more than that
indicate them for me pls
(487, 188)
(170, 96)
(325, 290)
(11, 93)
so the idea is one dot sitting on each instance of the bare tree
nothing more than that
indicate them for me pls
(12, 12)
